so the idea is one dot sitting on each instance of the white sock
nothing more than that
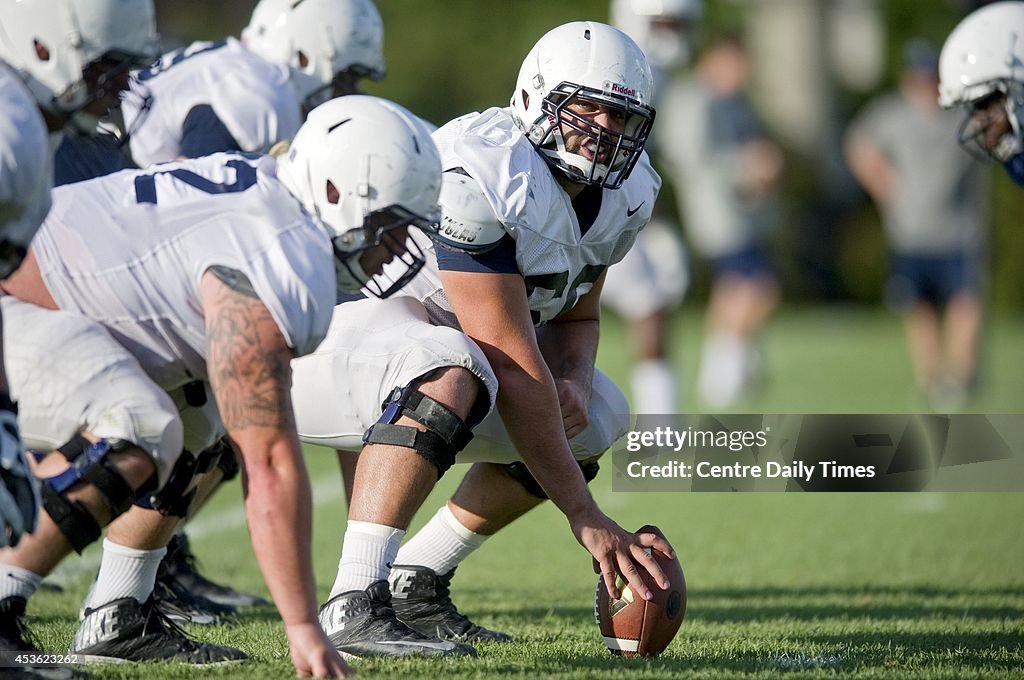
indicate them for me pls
(441, 545)
(654, 387)
(723, 370)
(17, 582)
(124, 572)
(367, 553)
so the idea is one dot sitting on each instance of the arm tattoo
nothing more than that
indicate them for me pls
(248, 361)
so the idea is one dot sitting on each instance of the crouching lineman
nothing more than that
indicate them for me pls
(197, 280)
(231, 95)
(539, 198)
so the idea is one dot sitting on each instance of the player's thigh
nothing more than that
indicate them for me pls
(608, 420)
(69, 375)
(372, 347)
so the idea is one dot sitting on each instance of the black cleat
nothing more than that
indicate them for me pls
(183, 606)
(361, 623)
(422, 601)
(125, 630)
(15, 640)
(178, 570)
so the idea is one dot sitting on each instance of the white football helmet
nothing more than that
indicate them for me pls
(662, 28)
(327, 44)
(585, 61)
(71, 52)
(982, 59)
(366, 167)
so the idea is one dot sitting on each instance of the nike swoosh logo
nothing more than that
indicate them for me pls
(443, 646)
(630, 213)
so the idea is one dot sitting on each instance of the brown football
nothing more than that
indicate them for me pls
(635, 627)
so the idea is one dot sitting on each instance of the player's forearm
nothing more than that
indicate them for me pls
(529, 408)
(570, 350)
(279, 512)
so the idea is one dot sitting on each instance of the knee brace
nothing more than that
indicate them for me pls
(227, 462)
(89, 463)
(175, 497)
(446, 432)
(519, 472)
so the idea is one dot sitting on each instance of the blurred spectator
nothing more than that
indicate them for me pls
(931, 197)
(648, 285)
(726, 172)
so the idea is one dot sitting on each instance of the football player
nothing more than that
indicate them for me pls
(539, 199)
(217, 270)
(981, 69)
(243, 95)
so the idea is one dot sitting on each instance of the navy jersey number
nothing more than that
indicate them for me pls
(176, 57)
(559, 282)
(245, 177)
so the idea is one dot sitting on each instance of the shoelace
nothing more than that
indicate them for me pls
(158, 622)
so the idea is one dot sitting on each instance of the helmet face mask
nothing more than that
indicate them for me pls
(991, 128)
(369, 170)
(611, 152)
(574, 75)
(360, 254)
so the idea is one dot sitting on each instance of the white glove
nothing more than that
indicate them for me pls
(19, 490)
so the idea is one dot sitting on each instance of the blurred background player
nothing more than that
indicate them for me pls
(647, 287)
(982, 71)
(727, 173)
(246, 95)
(933, 200)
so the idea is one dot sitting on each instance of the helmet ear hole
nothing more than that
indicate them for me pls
(42, 51)
(303, 59)
(333, 195)
(526, 99)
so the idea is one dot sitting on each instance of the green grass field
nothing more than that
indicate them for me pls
(853, 585)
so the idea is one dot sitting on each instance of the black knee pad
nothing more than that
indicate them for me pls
(519, 472)
(89, 463)
(228, 461)
(446, 432)
(174, 497)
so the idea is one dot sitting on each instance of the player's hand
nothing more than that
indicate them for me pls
(617, 551)
(312, 653)
(572, 400)
(19, 490)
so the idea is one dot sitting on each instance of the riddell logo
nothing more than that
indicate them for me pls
(622, 89)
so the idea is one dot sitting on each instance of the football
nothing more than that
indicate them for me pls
(632, 626)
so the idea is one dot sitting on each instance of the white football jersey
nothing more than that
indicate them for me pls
(26, 161)
(129, 249)
(558, 263)
(253, 98)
